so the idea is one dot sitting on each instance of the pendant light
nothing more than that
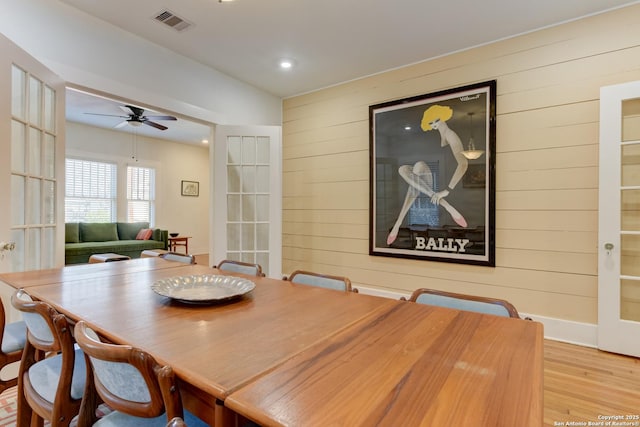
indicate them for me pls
(471, 153)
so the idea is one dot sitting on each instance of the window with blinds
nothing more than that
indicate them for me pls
(140, 194)
(90, 191)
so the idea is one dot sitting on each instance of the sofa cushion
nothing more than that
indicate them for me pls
(121, 247)
(98, 232)
(129, 230)
(71, 232)
(144, 234)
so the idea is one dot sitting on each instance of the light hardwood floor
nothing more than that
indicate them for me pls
(581, 384)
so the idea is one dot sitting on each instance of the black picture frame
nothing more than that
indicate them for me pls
(190, 188)
(427, 199)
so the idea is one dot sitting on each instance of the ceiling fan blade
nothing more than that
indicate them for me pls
(135, 110)
(121, 125)
(161, 117)
(107, 115)
(155, 125)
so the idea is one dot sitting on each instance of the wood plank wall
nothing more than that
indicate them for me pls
(546, 167)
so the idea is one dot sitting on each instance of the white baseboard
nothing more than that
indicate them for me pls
(584, 334)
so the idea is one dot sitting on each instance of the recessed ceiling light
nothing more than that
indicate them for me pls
(286, 64)
(407, 128)
(225, 1)
(205, 141)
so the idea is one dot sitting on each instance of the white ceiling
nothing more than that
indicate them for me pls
(331, 41)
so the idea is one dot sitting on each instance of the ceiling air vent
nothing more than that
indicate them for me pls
(170, 19)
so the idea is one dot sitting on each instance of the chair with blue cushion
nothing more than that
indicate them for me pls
(326, 281)
(464, 302)
(50, 387)
(240, 267)
(12, 336)
(130, 381)
(174, 256)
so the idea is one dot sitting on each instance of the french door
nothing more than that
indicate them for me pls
(619, 220)
(247, 201)
(32, 162)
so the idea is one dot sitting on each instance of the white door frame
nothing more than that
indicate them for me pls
(614, 334)
(218, 158)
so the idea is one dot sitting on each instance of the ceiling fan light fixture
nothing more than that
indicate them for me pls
(134, 123)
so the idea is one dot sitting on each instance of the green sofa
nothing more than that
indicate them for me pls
(83, 239)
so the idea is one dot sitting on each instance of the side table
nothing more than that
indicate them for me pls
(174, 242)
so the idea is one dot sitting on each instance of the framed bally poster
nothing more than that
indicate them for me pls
(432, 176)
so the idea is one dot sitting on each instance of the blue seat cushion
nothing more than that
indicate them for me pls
(322, 282)
(15, 335)
(119, 419)
(463, 304)
(45, 374)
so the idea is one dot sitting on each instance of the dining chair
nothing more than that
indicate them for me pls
(464, 302)
(51, 377)
(174, 256)
(337, 283)
(130, 382)
(240, 267)
(12, 336)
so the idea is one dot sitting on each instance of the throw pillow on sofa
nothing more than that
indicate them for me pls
(144, 234)
(129, 230)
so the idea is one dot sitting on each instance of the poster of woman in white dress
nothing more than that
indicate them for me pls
(432, 176)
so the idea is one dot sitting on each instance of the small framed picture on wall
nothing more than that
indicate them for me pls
(190, 188)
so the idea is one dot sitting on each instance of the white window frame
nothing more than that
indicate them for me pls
(95, 193)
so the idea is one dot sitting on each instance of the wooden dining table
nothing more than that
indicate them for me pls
(297, 355)
(214, 349)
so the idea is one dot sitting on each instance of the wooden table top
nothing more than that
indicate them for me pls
(216, 348)
(76, 272)
(409, 365)
(290, 354)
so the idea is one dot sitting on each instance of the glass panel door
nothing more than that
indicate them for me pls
(619, 229)
(630, 212)
(31, 159)
(33, 172)
(247, 199)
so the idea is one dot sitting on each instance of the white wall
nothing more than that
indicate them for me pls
(89, 52)
(173, 162)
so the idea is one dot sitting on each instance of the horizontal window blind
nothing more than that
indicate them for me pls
(140, 194)
(90, 191)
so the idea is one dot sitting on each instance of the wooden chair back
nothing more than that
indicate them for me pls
(48, 333)
(327, 281)
(127, 379)
(464, 302)
(240, 267)
(12, 338)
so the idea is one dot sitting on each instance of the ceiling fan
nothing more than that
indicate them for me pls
(135, 117)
